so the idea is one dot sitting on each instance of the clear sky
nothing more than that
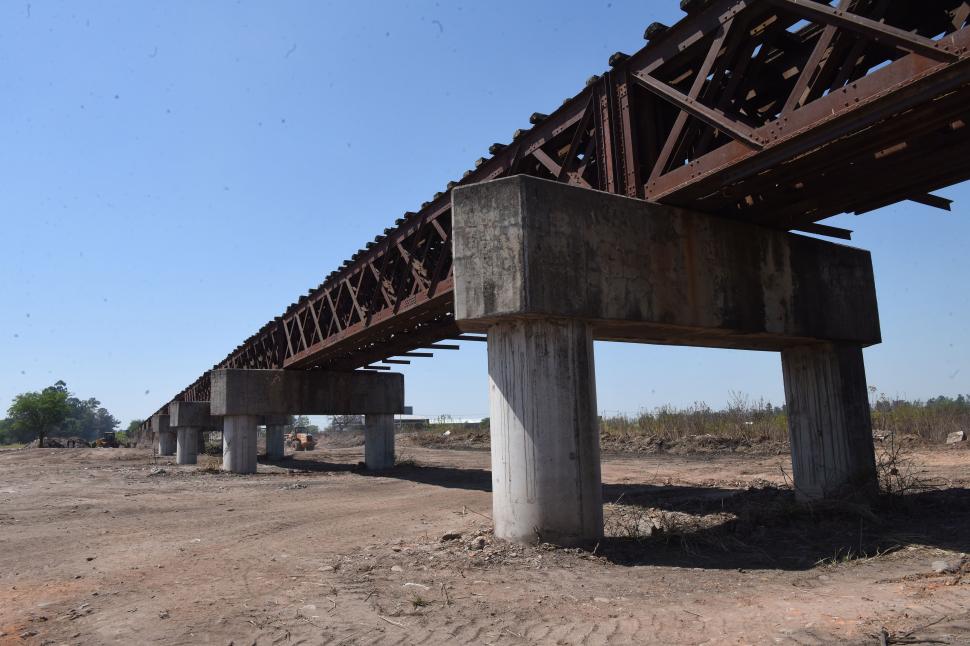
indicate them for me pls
(175, 173)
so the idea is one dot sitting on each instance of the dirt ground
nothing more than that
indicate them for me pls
(101, 546)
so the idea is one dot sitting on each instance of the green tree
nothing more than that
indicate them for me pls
(6, 432)
(38, 414)
(303, 422)
(133, 426)
(87, 419)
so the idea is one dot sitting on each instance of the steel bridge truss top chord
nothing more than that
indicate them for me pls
(777, 112)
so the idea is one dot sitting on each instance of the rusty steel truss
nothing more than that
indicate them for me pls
(777, 112)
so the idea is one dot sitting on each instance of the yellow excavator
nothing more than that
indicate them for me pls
(300, 440)
(108, 440)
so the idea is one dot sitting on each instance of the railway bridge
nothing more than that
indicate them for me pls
(666, 202)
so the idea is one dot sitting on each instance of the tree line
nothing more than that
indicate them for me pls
(55, 412)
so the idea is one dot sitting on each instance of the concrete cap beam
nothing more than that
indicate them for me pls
(160, 424)
(637, 271)
(300, 392)
(188, 414)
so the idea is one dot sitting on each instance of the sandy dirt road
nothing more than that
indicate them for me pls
(105, 547)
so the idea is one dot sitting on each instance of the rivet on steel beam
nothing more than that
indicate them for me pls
(655, 30)
(617, 58)
(537, 117)
(495, 149)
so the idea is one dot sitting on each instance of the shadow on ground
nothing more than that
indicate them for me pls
(745, 529)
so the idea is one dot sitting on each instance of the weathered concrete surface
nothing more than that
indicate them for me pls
(544, 432)
(829, 421)
(195, 414)
(317, 392)
(379, 442)
(164, 436)
(239, 443)
(166, 443)
(274, 442)
(187, 445)
(645, 272)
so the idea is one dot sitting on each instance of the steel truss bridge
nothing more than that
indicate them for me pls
(777, 112)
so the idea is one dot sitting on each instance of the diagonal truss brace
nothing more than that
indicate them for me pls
(878, 31)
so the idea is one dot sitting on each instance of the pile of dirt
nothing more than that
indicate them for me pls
(340, 440)
(60, 443)
(617, 443)
(692, 445)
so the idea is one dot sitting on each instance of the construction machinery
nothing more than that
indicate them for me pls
(300, 440)
(108, 440)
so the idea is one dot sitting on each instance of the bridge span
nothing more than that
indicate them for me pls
(662, 203)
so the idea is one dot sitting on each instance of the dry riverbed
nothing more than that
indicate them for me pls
(101, 546)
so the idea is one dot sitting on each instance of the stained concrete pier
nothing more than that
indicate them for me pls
(544, 434)
(379, 442)
(239, 443)
(275, 449)
(190, 421)
(164, 435)
(187, 445)
(829, 421)
(544, 268)
(241, 395)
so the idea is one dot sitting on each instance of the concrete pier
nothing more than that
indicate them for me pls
(379, 442)
(239, 443)
(544, 432)
(274, 441)
(166, 443)
(187, 445)
(829, 421)
(164, 436)
(544, 268)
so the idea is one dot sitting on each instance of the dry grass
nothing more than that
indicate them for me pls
(745, 425)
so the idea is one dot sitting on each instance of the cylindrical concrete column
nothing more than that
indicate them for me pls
(829, 421)
(379, 442)
(274, 442)
(166, 443)
(544, 432)
(239, 443)
(187, 445)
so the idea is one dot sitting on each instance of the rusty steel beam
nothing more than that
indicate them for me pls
(777, 112)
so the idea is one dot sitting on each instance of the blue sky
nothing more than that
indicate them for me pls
(175, 173)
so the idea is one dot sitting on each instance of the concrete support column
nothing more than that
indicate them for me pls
(379, 442)
(239, 443)
(545, 436)
(187, 445)
(166, 443)
(829, 421)
(274, 442)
